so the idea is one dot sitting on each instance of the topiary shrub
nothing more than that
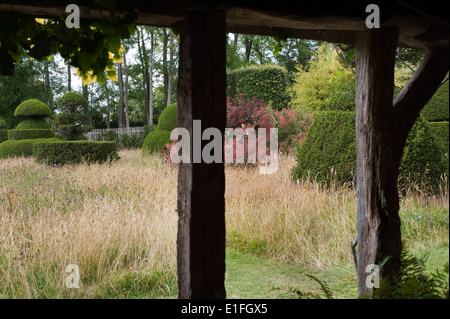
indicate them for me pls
(12, 148)
(437, 108)
(72, 121)
(168, 119)
(423, 160)
(329, 152)
(33, 124)
(3, 135)
(267, 82)
(156, 141)
(29, 134)
(441, 131)
(75, 152)
(33, 109)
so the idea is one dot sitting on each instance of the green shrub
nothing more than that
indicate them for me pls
(72, 121)
(342, 98)
(73, 102)
(441, 131)
(12, 148)
(267, 82)
(156, 141)
(33, 124)
(423, 160)
(110, 136)
(168, 119)
(33, 109)
(30, 134)
(128, 142)
(3, 124)
(437, 108)
(75, 152)
(329, 152)
(413, 282)
(3, 135)
(148, 129)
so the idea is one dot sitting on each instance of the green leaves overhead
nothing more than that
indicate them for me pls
(92, 49)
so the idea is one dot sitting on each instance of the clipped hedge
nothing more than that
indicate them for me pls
(168, 119)
(266, 82)
(156, 141)
(441, 131)
(33, 124)
(12, 148)
(437, 108)
(75, 152)
(33, 109)
(329, 152)
(30, 134)
(3, 135)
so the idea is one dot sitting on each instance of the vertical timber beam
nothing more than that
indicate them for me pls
(201, 186)
(378, 221)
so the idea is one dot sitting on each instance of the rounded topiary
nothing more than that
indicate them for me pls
(34, 124)
(72, 121)
(168, 119)
(73, 102)
(156, 141)
(29, 134)
(33, 109)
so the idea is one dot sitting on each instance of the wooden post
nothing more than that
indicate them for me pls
(378, 203)
(382, 126)
(201, 187)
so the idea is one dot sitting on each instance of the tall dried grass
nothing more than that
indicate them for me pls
(118, 224)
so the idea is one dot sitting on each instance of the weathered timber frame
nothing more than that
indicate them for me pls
(201, 186)
(382, 124)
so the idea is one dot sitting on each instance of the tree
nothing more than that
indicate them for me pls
(72, 121)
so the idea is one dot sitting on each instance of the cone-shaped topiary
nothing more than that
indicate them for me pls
(168, 119)
(33, 109)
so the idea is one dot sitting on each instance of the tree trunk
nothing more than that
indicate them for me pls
(69, 79)
(86, 96)
(150, 79)
(108, 107)
(120, 106)
(47, 88)
(125, 87)
(201, 187)
(164, 66)
(144, 65)
(170, 71)
(248, 47)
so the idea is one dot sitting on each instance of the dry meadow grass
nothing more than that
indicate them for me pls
(118, 223)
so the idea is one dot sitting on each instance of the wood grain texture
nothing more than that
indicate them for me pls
(378, 221)
(201, 186)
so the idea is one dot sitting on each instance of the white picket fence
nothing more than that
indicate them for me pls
(96, 135)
